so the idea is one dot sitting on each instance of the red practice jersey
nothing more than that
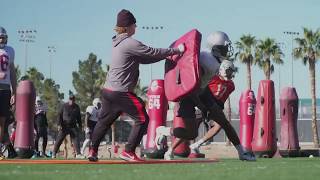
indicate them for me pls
(220, 88)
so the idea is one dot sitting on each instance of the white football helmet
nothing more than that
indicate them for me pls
(220, 45)
(3, 34)
(96, 103)
(227, 69)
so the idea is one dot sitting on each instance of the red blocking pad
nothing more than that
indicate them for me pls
(182, 72)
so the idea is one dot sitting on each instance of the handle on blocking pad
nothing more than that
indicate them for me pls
(261, 132)
(178, 76)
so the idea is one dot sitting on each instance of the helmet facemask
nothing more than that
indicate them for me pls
(227, 69)
(222, 51)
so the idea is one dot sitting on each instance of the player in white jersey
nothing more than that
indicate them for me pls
(219, 49)
(91, 120)
(7, 83)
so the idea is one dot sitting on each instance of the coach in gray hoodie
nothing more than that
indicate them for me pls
(118, 94)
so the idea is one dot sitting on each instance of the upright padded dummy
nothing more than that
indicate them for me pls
(264, 143)
(289, 105)
(157, 111)
(247, 105)
(25, 100)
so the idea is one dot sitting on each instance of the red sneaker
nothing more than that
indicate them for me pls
(129, 156)
(93, 155)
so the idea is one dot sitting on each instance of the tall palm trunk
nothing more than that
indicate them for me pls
(268, 70)
(249, 75)
(314, 110)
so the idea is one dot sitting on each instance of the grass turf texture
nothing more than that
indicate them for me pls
(282, 168)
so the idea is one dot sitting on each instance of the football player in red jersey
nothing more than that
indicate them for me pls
(219, 89)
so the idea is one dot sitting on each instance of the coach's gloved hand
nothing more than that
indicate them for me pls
(181, 47)
(179, 50)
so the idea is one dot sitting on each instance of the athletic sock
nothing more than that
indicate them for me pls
(197, 144)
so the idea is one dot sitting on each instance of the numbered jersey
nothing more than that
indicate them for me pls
(6, 59)
(220, 88)
(94, 112)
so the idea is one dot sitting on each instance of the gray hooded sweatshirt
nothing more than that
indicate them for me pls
(127, 54)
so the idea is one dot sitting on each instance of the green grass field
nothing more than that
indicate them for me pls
(269, 169)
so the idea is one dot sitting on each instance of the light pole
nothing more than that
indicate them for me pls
(154, 29)
(27, 36)
(51, 50)
(282, 46)
(292, 34)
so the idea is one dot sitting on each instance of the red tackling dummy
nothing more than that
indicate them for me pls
(264, 141)
(289, 108)
(182, 74)
(24, 142)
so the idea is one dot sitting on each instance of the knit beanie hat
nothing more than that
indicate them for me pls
(125, 18)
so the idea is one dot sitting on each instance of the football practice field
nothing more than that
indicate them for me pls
(225, 169)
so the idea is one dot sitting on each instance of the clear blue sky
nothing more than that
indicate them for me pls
(78, 27)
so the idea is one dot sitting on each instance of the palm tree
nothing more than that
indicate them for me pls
(37, 78)
(267, 51)
(245, 48)
(308, 51)
(18, 72)
(141, 91)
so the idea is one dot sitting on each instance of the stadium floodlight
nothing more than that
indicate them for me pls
(52, 50)
(292, 34)
(26, 36)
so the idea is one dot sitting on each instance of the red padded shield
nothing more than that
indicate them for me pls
(182, 72)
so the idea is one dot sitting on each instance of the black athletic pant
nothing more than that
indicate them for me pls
(186, 110)
(113, 104)
(74, 134)
(44, 134)
(215, 109)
